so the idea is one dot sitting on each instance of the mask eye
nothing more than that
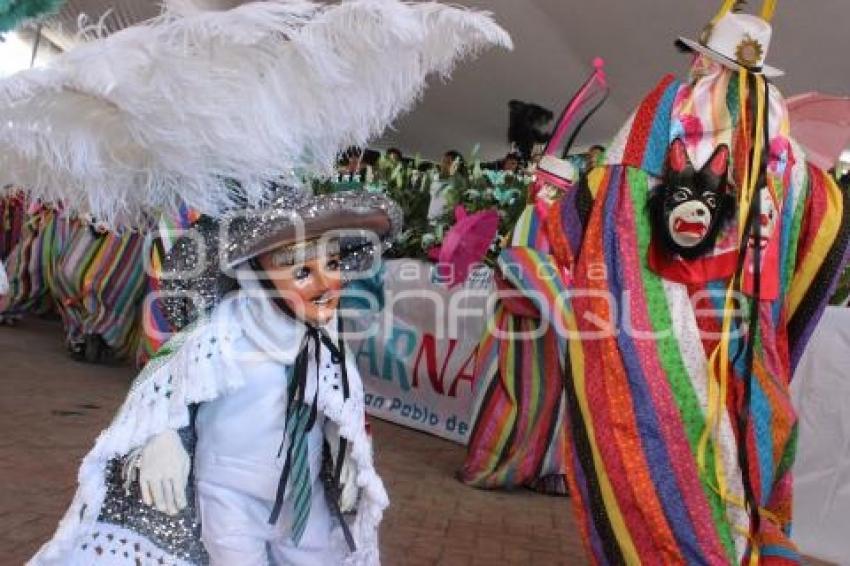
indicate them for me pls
(681, 195)
(301, 273)
(710, 201)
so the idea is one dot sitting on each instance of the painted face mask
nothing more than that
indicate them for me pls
(311, 289)
(769, 219)
(690, 207)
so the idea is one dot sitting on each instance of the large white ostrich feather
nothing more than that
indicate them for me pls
(161, 113)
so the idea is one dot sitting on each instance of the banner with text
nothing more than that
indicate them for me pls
(417, 358)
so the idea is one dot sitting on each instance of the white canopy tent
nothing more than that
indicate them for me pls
(557, 39)
(555, 42)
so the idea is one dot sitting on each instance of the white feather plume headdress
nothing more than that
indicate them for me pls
(161, 113)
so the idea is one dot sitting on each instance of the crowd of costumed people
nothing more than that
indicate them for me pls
(701, 227)
(96, 277)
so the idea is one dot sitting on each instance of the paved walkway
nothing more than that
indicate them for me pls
(51, 409)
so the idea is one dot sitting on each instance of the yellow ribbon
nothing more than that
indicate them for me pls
(768, 9)
(724, 9)
(719, 361)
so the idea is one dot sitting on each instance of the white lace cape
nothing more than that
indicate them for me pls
(159, 399)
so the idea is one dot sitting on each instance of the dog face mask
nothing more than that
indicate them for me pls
(690, 207)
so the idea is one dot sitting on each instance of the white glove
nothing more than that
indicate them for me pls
(349, 490)
(164, 467)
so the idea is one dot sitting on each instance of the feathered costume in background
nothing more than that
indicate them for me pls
(154, 118)
(266, 90)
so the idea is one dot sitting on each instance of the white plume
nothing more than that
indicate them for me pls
(162, 112)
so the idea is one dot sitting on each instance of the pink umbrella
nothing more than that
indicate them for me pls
(821, 124)
(466, 244)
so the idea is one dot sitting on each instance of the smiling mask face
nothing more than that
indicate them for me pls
(311, 289)
(689, 207)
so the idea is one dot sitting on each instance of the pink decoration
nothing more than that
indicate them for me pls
(465, 244)
(692, 127)
(596, 81)
(581, 103)
(821, 124)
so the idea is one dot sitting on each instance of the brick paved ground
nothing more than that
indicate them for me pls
(51, 409)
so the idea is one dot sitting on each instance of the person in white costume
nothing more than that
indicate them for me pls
(204, 109)
(237, 459)
(244, 441)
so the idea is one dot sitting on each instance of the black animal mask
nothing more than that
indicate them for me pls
(690, 207)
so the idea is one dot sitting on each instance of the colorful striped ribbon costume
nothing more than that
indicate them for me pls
(519, 434)
(681, 452)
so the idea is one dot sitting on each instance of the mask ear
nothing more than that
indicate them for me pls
(713, 173)
(677, 157)
(718, 165)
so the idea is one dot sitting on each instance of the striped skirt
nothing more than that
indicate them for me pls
(98, 283)
(519, 433)
(30, 264)
(12, 216)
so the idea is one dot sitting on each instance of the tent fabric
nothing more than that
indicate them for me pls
(821, 394)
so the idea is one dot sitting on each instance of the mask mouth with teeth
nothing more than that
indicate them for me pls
(690, 207)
